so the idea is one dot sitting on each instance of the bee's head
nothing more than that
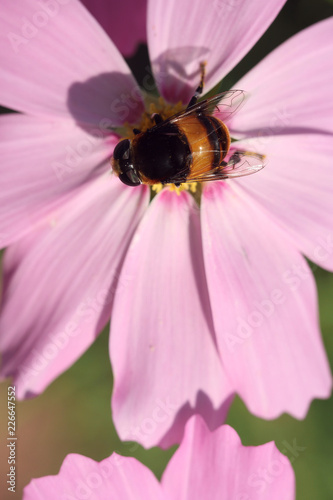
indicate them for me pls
(122, 164)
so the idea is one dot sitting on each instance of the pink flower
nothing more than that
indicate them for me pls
(208, 302)
(206, 465)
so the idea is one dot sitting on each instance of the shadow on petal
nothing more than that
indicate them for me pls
(214, 417)
(175, 69)
(104, 102)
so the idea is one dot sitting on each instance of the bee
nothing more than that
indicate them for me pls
(191, 146)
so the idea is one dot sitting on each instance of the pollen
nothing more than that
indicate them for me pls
(165, 110)
(194, 188)
(188, 186)
(161, 107)
(153, 106)
(156, 188)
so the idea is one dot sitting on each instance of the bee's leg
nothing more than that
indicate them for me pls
(157, 118)
(199, 90)
(136, 131)
(234, 158)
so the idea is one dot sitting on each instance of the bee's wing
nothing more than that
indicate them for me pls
(243, 163)
(222, 105)
(240, 163)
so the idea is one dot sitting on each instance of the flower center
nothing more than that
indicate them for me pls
(165, 110)
(184, 152)
(154, 105)
(158, 106)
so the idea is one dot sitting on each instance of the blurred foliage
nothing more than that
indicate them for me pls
(73, 414)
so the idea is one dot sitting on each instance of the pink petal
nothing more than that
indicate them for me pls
(296, 187)
(57, 61)
(80, 477)
(291, 88)
(264, 306)
(206, 465)
(60, 282)
(181, 36)
(217, 466)
(124, 22)
(162, 347)
(42, 163)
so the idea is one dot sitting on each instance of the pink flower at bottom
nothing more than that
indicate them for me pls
(206, 465)
(204, 302)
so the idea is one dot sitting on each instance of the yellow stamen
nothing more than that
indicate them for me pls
(188, 186)
(157, 187)
(158, 106)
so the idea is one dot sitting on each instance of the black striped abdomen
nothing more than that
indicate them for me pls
(209, 141)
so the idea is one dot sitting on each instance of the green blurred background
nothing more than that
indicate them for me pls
(73, 414)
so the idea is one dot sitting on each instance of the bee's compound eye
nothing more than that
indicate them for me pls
(130, 178)
(121, 151)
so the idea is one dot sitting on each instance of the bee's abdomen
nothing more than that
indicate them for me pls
(209, 141)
